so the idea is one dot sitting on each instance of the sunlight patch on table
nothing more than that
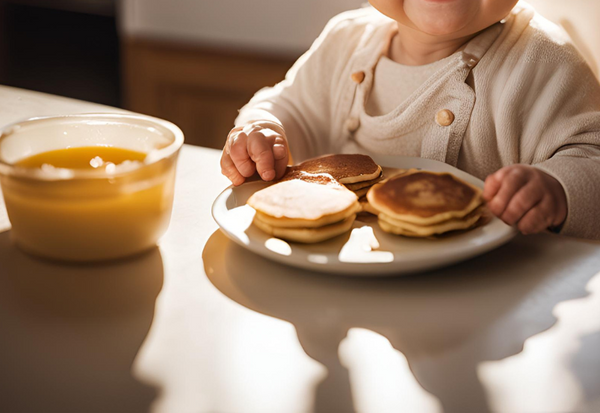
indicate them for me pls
(541, 377)
(267, 369)
(380, 376)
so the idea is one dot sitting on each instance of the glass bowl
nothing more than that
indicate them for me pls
(89, 214)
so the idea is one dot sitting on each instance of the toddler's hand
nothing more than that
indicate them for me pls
(527, 197)
(259, 146)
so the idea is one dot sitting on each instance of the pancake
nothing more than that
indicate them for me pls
(308, 235)
(424, 198)
(398, 227)
(396, 230)
(361, 188)
(286, 222)
(305, 201)
(310, 204)
(364, 184)
(345, 168)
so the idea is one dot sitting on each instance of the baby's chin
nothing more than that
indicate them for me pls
(443, 17)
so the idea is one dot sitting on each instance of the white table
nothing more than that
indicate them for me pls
(201, 325)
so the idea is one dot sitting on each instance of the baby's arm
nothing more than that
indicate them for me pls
(551, 105)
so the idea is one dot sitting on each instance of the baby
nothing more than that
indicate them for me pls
(488, 86)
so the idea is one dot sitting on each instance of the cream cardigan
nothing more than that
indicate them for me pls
(519, 91)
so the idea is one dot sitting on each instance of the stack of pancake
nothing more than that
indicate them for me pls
(357, 172)
(310, 203)
(308, 211)
(421, 203)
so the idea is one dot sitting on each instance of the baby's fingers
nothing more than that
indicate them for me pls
(525, 199)
(238, 150)
(260, 149)
(536, 219)
(230, 171)
(231, 138)
(491, 186)
(512, 182)
(281, 155)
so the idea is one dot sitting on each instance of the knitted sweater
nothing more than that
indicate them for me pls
(519, 93)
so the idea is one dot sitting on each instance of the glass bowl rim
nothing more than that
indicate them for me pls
(72, 174)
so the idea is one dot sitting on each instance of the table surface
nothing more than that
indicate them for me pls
(201, 325)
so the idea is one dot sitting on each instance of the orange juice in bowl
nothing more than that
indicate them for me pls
(89, 187)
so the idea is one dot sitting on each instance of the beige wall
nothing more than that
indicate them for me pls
(276, 26)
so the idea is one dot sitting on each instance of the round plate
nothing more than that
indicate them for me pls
(366, 250)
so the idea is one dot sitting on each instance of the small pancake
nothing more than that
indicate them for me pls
(396, 230)
(308, 235)
(398, 227)
(424, 198)
(364, 184)
(346, 168)
(284, 222)
(305, 203)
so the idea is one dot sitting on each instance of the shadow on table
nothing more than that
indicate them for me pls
(70, 333)
(585, 367)
(445, 322)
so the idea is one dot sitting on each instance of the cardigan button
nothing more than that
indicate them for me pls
(444, 117)
(358, 77)
(352, 124)
(469, 60)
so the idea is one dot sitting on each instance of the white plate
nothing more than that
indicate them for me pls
(353, 253)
